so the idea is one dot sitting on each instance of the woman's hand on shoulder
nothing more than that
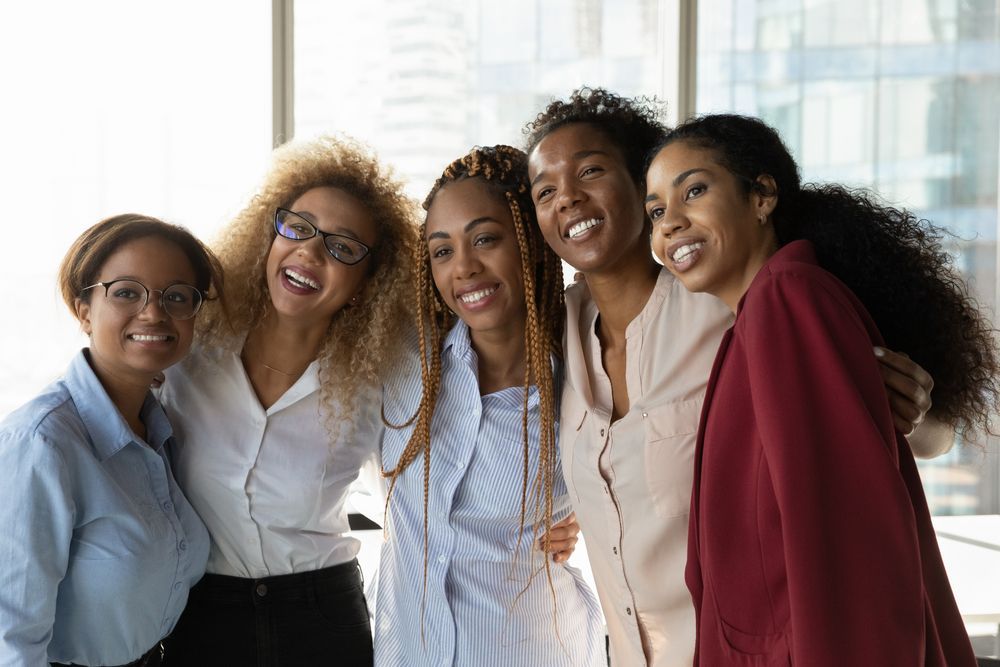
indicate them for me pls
(909, 388)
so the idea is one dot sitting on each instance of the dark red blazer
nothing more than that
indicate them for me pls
(810, 538)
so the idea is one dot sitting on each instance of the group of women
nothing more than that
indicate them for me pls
(761, 508)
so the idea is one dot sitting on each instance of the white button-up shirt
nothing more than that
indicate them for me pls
(630, 479)
(270, 485)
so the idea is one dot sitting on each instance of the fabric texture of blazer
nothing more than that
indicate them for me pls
(810, 538)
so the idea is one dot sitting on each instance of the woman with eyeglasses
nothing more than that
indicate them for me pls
(100, 547)
(278, 413)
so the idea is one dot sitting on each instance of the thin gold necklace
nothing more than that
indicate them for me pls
(246, 355)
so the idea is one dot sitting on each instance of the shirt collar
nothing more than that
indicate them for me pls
(458, 340)
(796, 252)
(107, 428)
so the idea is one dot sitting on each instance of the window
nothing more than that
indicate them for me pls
(157, 108)
(898, 96)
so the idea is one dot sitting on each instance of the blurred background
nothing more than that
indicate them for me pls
(171, 109)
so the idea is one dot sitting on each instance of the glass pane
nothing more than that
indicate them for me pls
(118, 107)
(899, 95)
(437, 77)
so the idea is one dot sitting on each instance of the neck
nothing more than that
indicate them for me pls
(284, 346)
(621, 294)
(732, 294)
(501, 358)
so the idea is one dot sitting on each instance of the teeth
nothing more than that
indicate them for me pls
(146, 338)
(582, 226)
(685, 251)
(301, 279)
(478, 295)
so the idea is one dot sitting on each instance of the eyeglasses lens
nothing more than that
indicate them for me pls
(181, 302)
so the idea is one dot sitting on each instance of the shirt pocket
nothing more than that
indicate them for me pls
(571, 427)
(671, 434)
(753, 650)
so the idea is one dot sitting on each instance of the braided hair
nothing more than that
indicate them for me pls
(504, 170)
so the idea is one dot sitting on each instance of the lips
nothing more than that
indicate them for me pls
(299, 281)
(577, 228)
(151, 337)
(683, 253)
(476, 295)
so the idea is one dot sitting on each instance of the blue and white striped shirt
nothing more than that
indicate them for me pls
(483, 606)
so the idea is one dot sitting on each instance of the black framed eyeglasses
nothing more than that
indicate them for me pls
(342, 248)
(129, 297)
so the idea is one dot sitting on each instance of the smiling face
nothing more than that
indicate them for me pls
(131, 349)
(304, 281)
(707, 230)
(588, 207)
(475, 260)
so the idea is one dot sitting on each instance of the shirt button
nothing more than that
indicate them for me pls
(602, 432)
(614, 550)
(182, 545)
(628, 610)
(644, 415)
(261, 590)
(168, 506)
(177, 586)
(441, 558)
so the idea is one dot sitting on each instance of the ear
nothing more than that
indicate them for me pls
(82, 309)
(765, 196)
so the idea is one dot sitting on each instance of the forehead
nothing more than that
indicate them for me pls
(332, 209)
(570, 143)
(152, 258)
(460, 202)
(676, 157)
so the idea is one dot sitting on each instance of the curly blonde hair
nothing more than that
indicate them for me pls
(365, 338)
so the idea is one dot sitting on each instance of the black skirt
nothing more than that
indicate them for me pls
(308, 618)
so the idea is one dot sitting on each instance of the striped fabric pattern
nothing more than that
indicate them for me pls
(488, 601)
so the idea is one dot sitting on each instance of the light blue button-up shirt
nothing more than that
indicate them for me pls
(487, 603)
(98, 547)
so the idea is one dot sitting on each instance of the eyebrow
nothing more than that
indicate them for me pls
(684, 174)
(579, 155)
(468, 227)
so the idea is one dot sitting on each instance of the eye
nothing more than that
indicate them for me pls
(440, 252)
(125, 293)
(176, 296)
(343, 248)
(543, 193)
(589, 171)
(300, 228)
(655, 212)
(484, 239)
(694, 191)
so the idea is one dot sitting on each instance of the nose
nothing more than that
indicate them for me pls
(153, 311)
(313, 248)
(569, 196)
(671, 223)
(467, 263)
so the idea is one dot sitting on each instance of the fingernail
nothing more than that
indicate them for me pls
(879, 352)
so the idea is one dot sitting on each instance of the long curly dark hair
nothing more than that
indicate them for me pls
(633, 124)
(893, 261)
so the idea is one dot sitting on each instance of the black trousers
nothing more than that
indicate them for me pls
(309, 618)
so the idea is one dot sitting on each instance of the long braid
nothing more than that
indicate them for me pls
(505, 169)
